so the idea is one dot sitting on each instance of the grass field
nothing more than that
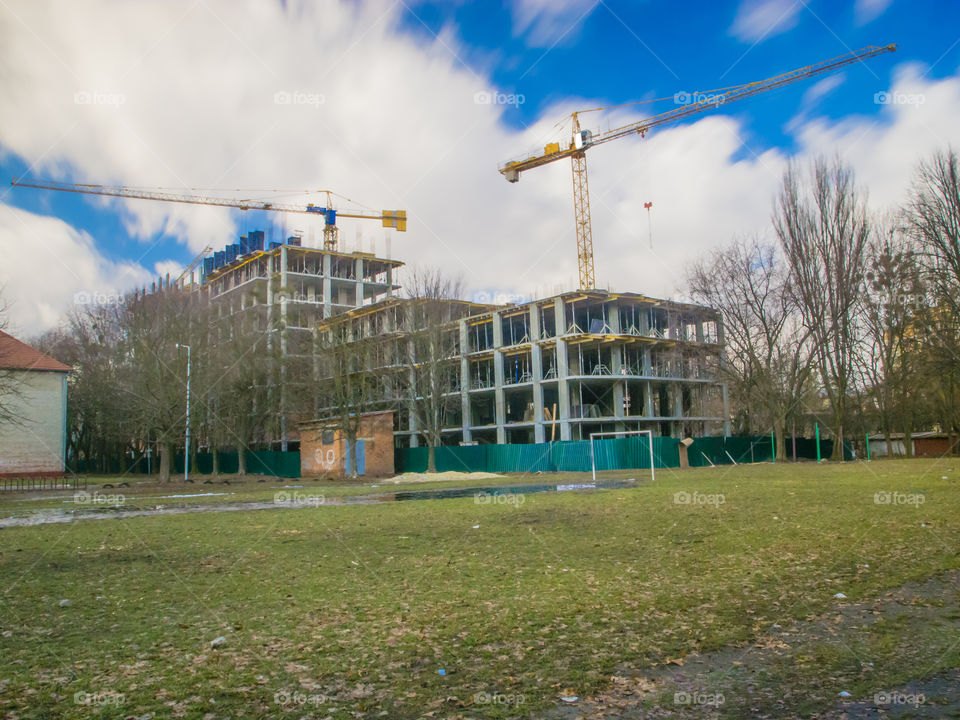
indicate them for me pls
(453, 608)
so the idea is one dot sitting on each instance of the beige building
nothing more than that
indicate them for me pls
(33, 389)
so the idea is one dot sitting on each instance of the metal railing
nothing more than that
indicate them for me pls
(31, 483)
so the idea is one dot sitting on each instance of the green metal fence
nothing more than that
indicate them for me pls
(259, 462)
(611, 454)
(565, 456)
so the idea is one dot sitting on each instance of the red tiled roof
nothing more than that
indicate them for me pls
(15, 355)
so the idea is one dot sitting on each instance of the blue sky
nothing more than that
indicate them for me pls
(397, 126)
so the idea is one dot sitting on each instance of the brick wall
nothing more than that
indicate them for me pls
(35, 445)
(323, 449)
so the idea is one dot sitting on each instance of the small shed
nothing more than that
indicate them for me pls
(878, 445)
(324, 451)
(931, 444)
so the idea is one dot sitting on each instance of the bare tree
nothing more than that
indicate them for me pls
(348, 384)
(241, 382)
(152, 326)
(933, 216)
(893, 305)
(823, 228)
(433, 343)
(767, 360)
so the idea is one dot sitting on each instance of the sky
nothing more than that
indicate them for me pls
(413, 105)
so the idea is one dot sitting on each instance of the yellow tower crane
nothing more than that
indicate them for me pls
(396, 219)
(582, 140)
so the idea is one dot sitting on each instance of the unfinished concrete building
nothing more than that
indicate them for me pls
(566, 366)
(286, 289)
(558, 368)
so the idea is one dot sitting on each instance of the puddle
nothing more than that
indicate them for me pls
(45, 517)
(188, 495)
(511, 490)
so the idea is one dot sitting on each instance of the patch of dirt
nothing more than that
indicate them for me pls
(740, 682)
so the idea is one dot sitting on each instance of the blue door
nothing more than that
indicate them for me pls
(361, 459)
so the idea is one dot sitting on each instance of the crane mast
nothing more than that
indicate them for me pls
(581, 140)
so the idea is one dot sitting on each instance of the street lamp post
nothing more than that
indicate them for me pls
(186, 457)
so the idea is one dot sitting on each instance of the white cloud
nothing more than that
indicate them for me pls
(821, 88)
(398, 127)
(50, 268)
(761, 19)
(548, 22)
(168, 267)
(868, 10)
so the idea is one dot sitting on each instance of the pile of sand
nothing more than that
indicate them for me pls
(440, 477)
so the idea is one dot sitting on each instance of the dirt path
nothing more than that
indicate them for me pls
(773, 677)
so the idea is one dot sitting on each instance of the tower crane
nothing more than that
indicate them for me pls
(395, 219)
(582, 140)
(188, 270)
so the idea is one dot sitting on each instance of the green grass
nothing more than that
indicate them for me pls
(358, 607)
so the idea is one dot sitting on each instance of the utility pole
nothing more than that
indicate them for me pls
(186, 456)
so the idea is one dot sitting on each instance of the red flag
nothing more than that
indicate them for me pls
(648, 205)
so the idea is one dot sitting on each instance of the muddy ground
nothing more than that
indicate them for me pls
(771, 677)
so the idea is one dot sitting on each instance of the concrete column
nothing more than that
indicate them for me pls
(648, 399)
(563, 390)
(644, 325)
(613, 317)
(726, 410)
(390, 282)
(560, 316)
(536, 362)
(616, 365)
(358, 272)
(414, 426)
(327, 286)
(465, 420)
(499, 400)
